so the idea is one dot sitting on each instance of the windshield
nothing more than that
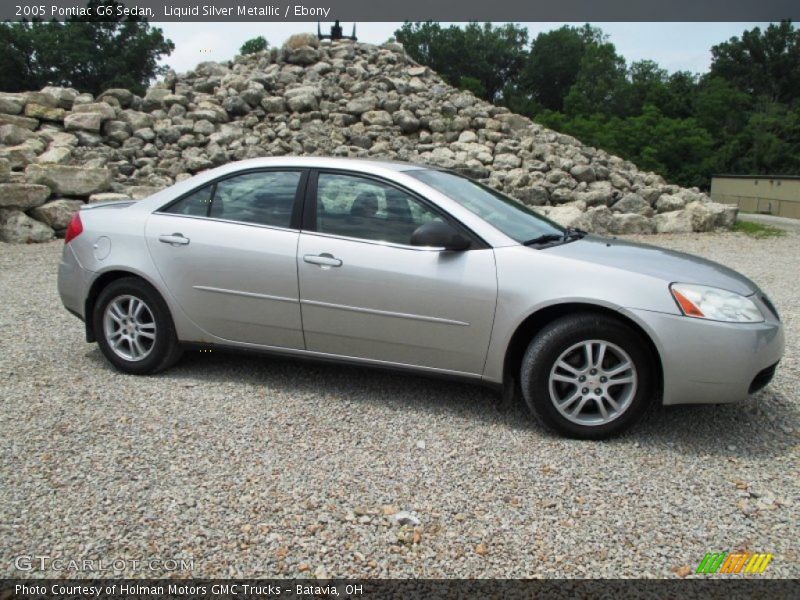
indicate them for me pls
(514, 219)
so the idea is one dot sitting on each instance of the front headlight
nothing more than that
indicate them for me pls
(703, 302)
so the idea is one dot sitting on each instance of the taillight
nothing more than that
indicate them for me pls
(74, 229)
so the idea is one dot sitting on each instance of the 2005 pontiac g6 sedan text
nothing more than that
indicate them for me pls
(411, 267)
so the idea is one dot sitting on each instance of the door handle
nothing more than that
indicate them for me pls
(173, 239)
(323, 260)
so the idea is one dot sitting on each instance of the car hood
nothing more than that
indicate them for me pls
(657, 262)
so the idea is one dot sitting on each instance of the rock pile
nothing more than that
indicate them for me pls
(60, 148)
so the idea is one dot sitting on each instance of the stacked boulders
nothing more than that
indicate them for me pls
(60, 148)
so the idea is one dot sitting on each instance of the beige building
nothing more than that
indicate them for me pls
(772, 194)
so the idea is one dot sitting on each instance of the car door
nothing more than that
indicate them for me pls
(227, 254)
(365, 292)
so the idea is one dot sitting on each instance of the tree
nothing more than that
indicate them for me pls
(599, 86)
(90, 53)
(553, 64)
(256, 44)
(762, 63)
(492, 56)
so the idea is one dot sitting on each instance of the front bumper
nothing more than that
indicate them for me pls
(708, 362)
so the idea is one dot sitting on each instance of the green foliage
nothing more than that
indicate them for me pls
(600, 83)
(757, 230)
(492, 56)
(256, 44)
(554, 62)
(86, 53)
(762, 63)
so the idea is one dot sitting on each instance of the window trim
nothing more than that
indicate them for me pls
(297, 202)
(309, 218)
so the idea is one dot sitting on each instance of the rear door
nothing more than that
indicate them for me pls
(367, 293)
(227, 253)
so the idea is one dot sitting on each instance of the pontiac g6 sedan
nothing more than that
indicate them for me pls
(409, 267)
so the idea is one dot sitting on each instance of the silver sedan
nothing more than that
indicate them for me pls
(413, 268)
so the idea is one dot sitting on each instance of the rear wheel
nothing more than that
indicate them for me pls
(136, 333)
(588, 376)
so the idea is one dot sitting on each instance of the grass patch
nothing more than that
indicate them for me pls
(757, 230)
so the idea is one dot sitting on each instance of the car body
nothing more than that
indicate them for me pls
(299, 270)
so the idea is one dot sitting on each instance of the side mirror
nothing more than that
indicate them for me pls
(437, 234)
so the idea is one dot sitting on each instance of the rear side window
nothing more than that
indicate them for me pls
(195, 204)
(264, 198)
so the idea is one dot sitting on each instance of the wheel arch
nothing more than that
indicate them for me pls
(536, 321)
(99, 284)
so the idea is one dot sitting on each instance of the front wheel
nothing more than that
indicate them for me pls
(135, 330)
(588, 376)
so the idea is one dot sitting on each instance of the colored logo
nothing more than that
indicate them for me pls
(735, 562)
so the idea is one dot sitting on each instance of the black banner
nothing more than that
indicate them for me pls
(415, 10)
(722, 588)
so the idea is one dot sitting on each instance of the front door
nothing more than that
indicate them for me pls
(365, 292)
(227, 254)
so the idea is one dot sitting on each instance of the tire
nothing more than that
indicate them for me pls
(610, 398)
(134, 328)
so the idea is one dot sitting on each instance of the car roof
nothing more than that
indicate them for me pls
(322, 162)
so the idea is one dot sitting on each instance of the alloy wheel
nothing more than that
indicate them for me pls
(592, 382)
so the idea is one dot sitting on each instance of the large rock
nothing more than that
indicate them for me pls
(108, 197)
(5, 170)
(669, 203)
(19, 121)
(361, 104)
(598, 219)
(122, 96)
(299, 40)
(18, 228)
(57, 213)
(18, 156)
(507, 161)
(23, 196)
(302, 99)
(634, 204)
(88, 121)
(56, 154)
(380, 118)
(70, 181)
(64, 97)
(708, 216)
(304, 55)
(583, 173)
(11, 104)
(566, 216)
(535, 195)
(11, 135)
(631, 223)
(44, 113)
(106, 110)
(406, 121)
(676, 221)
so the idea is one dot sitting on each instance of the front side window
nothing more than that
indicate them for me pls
(353, 206)
(264, 198)
(509, 216)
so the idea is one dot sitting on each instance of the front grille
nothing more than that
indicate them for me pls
(770, 306)
(762, 379)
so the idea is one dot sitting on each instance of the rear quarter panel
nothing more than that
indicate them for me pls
(124, 227)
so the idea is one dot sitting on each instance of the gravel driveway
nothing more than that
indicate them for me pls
(264, 467)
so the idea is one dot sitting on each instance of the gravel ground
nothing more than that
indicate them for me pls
(263, 467)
